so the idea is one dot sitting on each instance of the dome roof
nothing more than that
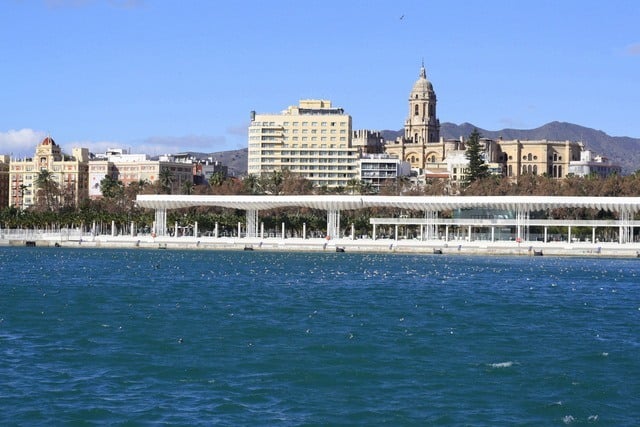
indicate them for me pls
(422, 85)
(48, 141)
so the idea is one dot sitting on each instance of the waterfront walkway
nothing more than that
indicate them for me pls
(429, 247)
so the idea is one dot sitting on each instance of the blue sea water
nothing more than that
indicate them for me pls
(91, 337)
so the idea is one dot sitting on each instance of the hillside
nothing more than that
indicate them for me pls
(623, 150)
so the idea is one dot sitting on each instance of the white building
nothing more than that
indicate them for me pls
(593, 164)
(130, 168)
(376, 169)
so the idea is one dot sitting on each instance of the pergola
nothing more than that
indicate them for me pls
(625, 207)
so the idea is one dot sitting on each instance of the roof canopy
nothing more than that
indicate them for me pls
(422, 203)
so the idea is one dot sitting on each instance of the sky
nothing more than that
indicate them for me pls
(165, 76)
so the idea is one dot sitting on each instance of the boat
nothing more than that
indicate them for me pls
(537, 253)
(339, 249)
(437, 251)
(248, 247)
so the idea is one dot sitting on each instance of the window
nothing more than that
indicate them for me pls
(416, 109)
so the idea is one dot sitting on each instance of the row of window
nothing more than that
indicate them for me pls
(341, 124)
(300, 160)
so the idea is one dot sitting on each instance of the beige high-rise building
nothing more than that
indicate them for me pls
(69, 172)
(312, 140)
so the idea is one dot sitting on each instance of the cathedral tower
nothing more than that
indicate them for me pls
(422, 126)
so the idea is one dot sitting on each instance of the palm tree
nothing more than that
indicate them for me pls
(187, 187)
(353, 186)
(166, 179)
(47, 187)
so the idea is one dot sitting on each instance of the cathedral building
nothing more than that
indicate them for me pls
(428, 153)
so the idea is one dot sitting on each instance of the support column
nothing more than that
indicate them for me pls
(546, 234)
(353, 231)
(262, 230)
(625, 234)
(283, 231)
(113, 228)
(195, 229)
(522, 223)
(304, 231)
(239, 229)
(373, 235)
(333, 224)
(431, 226)
(469, 233)
(396, 233)
(133, 229)
(569, 233)
(215, 231)
(493, 234)
(446, 233)
(252, 223)
(161, 222)
(593, 234)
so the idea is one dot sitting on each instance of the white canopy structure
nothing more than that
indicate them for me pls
(625, 207)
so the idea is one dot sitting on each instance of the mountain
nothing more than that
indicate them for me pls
(622, 150)
(235, 160)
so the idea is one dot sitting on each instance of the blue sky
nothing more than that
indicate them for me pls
(161, 76)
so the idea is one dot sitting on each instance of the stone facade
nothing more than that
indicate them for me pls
(71, 173)
(427, 152)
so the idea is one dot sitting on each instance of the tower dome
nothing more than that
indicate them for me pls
(422, 88)
(48, 141)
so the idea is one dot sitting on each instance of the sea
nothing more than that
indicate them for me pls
(234, 338)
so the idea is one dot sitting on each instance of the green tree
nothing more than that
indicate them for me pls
(111, 188)
(166, 179)
(216, 179)
(187, 187)
(47, 189)
(477, 168)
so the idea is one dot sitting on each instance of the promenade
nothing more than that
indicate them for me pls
(65, 239)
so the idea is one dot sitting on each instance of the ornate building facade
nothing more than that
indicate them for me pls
(70, 173)
(427, 152)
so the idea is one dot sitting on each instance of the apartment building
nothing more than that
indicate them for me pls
(312, 140)
(128, 168)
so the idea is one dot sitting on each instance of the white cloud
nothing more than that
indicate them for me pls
(20, 143)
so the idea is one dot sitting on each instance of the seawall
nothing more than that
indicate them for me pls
(435, 247)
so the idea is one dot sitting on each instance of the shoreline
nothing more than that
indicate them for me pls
(435, 247)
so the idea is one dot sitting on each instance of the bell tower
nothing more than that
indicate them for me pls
(422, 125)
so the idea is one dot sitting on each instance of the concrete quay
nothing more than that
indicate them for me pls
(435, 247)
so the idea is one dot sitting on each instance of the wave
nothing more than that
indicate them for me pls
(502, 365)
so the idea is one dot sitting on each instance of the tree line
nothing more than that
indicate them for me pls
(56, 208)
